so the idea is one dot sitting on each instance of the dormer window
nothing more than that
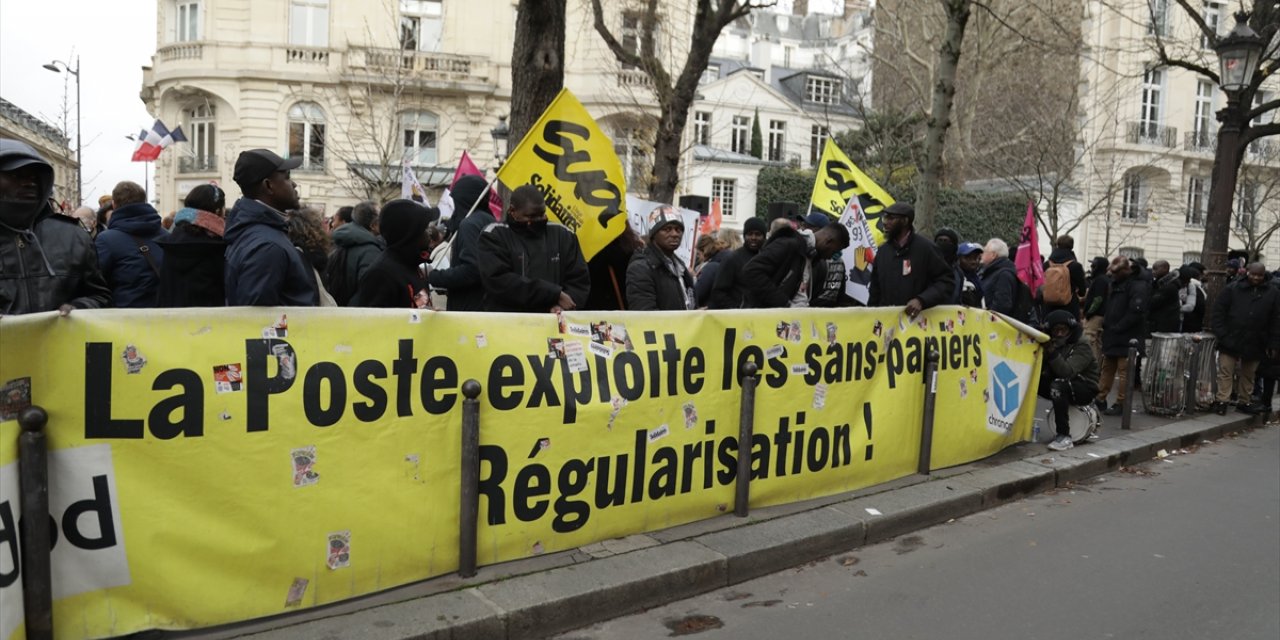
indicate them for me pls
(822, 90)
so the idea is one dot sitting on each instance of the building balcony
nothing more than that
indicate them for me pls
(304, 55)
(397, 65)
(197, 164)
(181, 51)
(635, 79)
(1148, 133)
(1200, 141)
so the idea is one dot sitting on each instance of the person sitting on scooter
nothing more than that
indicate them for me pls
(1070, 373)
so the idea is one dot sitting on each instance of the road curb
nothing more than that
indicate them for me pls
(542, 604)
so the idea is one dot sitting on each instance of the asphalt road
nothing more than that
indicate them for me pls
(1187, 547)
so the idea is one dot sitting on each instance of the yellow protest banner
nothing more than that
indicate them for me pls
(216, 465)
(568, 157)
(839, 179)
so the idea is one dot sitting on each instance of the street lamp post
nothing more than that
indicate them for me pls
(500, 135)
(54, 67)
(1238, 56)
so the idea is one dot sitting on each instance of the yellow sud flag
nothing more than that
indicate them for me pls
(567, 157)
(839, 180)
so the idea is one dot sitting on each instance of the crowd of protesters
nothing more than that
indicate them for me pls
(265, 249)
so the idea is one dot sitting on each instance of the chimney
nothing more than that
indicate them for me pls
(801, 8)
(761, 52)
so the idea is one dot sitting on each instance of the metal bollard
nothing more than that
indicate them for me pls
(36, 567)
(746, 427)
(930, 398)
(469, 510)
(1131, 366)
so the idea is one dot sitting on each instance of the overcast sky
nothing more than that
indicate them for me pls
(113, 40)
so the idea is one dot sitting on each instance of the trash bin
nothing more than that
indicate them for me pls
(1165, 372)
(1203, 374)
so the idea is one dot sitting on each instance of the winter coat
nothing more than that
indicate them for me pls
(1074, 362)
(1125, 316)
(1166, 309)
(651, 286)
(1095, 299)
(525, 272)
(728, 292)
(264, 269)
(772, 278)
(463, 278)
(1078, 285)
(355, 250)
(827, 288)
(51, 264)
(392, 282)
(902, 273)
(1194, 301)
(970, 286)
(706, 280)
(1246, 319)
(192, 274)
(1000, 286)
(133, 276)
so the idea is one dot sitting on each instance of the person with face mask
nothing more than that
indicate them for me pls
(528, 265)
(48, 261)
(1070, 373)
(728, 291)
(395, 280)
(908, 271)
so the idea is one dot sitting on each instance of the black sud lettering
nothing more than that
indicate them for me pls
(591, 186)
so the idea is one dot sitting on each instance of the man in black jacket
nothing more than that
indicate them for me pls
(1124, 319)
(47, 261)
(1064, 253)
(395, 280)
(783, 273)
(1246, 320)
(463, 279)
(728, 291)
(529, 265)
(264, 268)
(1070, 373)
(1095, 299)
(1166, 308)
(657, 279)
(999, 278)
(130, 251)
(908, 270)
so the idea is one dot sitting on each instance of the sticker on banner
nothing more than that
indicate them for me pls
(339, 550)
(286, 360)
(820, 395)
(555, 348)
(659, 433)
(690, 415)
(304, 462)
(579, 330)
(296, 591)
(415, 317)
(228, 378)
(575, 356)
(481, 340)
(15, 396)
(831, 333)
(800, 369)
(278, 329)
(601, 350)
(776, 351)
(133, 361)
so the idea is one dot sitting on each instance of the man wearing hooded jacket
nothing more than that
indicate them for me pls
(47, 260)
(129, 251)
(394, 280)
(782, 274)
(463, 279)
(528, 265)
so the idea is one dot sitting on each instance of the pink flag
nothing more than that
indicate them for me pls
(466, 167)
(1030, 267)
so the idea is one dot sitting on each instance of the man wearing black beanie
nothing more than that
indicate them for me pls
(462, 278)
(728, 292)
(395, 280)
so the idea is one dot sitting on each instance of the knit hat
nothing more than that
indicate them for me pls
(401, 223)
(817, 220)
(900, 209)
(946, 232)
(755, 224)
(663, 216)
(465, 193)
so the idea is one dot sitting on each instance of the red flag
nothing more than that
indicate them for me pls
(466, 167)
(1030, 267)
(711, 222)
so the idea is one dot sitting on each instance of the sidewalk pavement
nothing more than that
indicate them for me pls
(546, 595)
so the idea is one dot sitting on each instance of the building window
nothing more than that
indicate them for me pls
(309, 23)
(1212, 19)
(1202, 127)
(1190, 256)
(306, 135)
(777, 139)
(1246, 207)
(633, 31)
(818, 136)
(710, 74)
(822, 90)
(1159, 18)
(1135, 199)
(628, 144)
(1132, 252)
(1197, 201)
(726, 191)
(702, 127)
(421, 24)
(202, 138)
(1152, 89)
(786, 56)
(186, 21)
(419, 129)
(741, 140)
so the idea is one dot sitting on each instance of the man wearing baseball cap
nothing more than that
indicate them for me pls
(968, 259)
(264, 269)
(47, 261)
(908, 271)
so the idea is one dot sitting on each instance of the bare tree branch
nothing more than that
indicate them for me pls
(1261, 131)
(1261, 109)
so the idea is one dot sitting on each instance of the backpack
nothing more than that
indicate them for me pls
(1057, 284)
(1024, 304)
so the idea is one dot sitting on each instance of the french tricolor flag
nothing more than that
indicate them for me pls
(151, 143)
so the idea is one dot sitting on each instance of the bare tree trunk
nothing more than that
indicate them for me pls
(944, 92)
(537, 62)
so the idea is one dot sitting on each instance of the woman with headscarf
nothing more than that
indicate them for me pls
(191, 271)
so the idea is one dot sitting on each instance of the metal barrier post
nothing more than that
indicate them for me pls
(746, 427)
(930, 398)
(469, 511)
(36, 565)
(1131, 366)
(1192, 404)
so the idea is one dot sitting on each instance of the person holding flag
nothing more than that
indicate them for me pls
(462, 278)
(840, 181)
